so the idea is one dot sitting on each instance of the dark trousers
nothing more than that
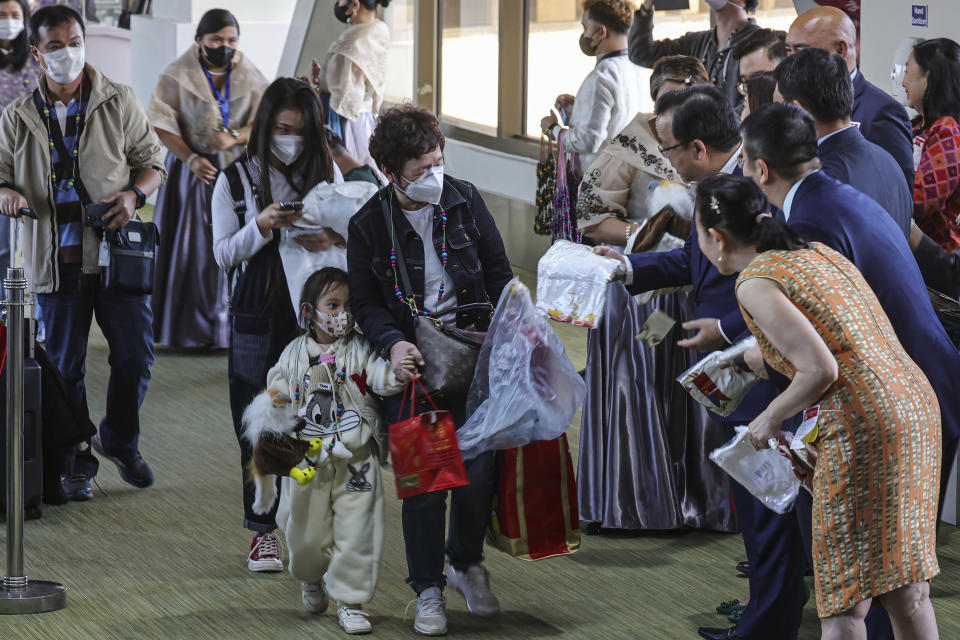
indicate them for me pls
(425, 522)
(127, 323)
(254, 348)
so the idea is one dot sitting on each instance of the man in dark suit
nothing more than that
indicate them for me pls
(780, 146)
(882, 119)
(819, 82)
(698, 132)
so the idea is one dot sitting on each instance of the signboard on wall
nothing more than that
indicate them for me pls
(918, 15)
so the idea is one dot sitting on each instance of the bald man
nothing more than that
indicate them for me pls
(883, 121)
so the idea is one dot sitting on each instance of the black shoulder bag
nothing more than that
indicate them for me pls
(449, 354)
(254, 283)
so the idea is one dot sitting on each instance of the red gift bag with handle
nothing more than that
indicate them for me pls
(424, 449)
(536, 513)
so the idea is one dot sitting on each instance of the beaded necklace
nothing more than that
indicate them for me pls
(74, 153)
(411, 300)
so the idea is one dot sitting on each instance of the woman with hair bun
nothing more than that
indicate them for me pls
(202, 109)
(354, 75)
(876, 480)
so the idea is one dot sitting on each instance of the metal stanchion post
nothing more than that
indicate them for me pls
(18, 594)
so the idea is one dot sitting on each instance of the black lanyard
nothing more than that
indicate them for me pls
(222, 99)
(612, 54)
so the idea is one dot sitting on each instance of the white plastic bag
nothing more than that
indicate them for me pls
(765, 473)
(572, 283)
(326, 206)
(720, 389)
(525, 388)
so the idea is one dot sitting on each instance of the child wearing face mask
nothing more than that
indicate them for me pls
(325, 391)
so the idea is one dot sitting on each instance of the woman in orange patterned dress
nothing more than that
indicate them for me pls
(876, 482)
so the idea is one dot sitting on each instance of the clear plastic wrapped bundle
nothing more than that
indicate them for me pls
(765, 473)
(572, 283)
(525, 388)
(718, 388)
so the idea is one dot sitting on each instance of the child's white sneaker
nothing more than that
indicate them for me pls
(354, 619)
(314, 596)
(474, 584)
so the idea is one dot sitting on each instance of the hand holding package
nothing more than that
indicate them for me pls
(525, 388)
(720, 388)
(765, 473)
(572, 283)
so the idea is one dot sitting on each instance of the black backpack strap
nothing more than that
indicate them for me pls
(237, 193)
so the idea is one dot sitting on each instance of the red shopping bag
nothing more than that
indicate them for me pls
(424, 450)
(536, 513)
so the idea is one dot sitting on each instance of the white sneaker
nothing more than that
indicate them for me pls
(353, 619)
(314, 597)
(431, 618)
(474, 585)
(266, 553)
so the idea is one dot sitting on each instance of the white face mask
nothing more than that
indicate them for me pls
(334, 324)
(426, 188)
(10, 29)
(716, 5)
(64, 65)
(287, 148)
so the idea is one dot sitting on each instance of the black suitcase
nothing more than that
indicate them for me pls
(32, 439)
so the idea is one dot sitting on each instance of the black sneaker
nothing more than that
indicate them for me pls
(133, 468)
(77, 487)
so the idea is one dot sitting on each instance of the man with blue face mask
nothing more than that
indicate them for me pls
(713, 47)
(79, 139)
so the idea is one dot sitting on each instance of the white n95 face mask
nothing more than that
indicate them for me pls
(287, 148)
(10, 29)
(64, 65)
(426, 188)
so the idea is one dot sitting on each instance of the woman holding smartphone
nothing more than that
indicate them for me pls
(253, 200)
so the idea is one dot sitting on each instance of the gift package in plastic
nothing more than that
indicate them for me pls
(525, 388)
(572, 283)
(765, 473)
(717, 388)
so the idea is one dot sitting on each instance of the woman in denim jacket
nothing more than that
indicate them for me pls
(467, 264)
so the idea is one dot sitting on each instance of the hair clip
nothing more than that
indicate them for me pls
(688, 80)
(763, 216)
(715, 205)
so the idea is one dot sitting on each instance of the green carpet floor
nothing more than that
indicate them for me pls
(170, 561)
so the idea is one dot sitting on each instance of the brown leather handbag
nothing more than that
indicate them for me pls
(449, 353)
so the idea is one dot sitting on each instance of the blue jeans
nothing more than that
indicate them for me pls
(127, 323)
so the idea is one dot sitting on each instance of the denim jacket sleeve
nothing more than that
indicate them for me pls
(493, 256)
(366, 297)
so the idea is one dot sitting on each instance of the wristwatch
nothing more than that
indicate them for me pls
(141, 198)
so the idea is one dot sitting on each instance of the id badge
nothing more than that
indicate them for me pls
(103, 258)
(808, 430)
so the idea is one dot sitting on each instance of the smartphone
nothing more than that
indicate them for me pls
(26, 212)
(93, 213)
(290, 206)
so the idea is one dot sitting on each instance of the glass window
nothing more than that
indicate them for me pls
(555, 64)
(399, 17)
(469, 61)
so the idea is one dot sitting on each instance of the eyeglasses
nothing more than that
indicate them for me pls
(742, 87)
(741, 160)
(665, 150)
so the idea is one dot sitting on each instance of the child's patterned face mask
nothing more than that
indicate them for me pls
(334, 324)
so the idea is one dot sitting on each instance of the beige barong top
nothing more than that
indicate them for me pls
(355, 71)
(184, 104)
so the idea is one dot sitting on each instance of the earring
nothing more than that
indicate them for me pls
(720, 258)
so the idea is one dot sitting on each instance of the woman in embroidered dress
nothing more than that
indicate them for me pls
(18, 76)
(202, 109)
(932, 81)
(355, 74)
(643, 440)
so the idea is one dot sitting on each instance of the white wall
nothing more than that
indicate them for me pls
(159, 39)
